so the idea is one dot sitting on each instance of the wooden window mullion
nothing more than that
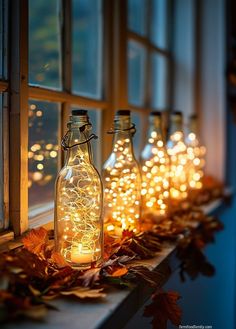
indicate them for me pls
(18, 102)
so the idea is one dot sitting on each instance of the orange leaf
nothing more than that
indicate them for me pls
(120, 272)
(36, 240)
(59, 260)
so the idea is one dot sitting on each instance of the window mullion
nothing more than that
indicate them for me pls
(18, 179)
(66, 34)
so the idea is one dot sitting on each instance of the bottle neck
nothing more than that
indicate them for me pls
(193, 126)
(79, 150)
(122, 140)
(155, 129)
(176, 126)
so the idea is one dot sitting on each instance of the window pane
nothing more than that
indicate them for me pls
(44, 43)
(137, 14)
(159, 85)
(43, 151)
(95, 119)
(136, 119)
(87, 48)
(136, 73)
(159, 23)
(3, 38)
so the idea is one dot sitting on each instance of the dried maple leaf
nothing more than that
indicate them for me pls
(36, 240)
(164, 307)
(90, 277)
(83, 292)
(120, 272)
(58, 260)
(142, 273)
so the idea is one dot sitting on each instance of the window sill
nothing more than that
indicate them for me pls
(120, 305)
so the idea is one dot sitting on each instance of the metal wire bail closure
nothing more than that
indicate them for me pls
(132, 130)
(64, 141)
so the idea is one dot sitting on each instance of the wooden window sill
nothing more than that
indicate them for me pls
(119, 305)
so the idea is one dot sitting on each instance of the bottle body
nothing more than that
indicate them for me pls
(78, 205)
(196, 153)
(178, 159)
(155, 171)
(122, 182)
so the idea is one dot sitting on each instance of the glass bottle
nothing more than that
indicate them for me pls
(155, 171)
(78, 202)
(196, 154)
(121, 179)
(178, 158)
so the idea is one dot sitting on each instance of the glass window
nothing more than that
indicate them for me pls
(159, 85)
(137, 16)
(136, 119)
(44, 43)
(136, 73)
(3, 38)
(87, 48)
(159, 24)
(44, 122)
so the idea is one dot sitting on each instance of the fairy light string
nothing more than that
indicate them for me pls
(178, 158)
(196, 154)
(78, 204)
(155, 171)
(122, 181)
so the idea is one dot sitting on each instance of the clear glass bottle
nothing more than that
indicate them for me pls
(155, 171)
(196, 154)
(178, 158)
(121, 179)
(78, 202)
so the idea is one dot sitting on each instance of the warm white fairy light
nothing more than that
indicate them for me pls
(178, 158)
(155, 172)
(78, 208)
(121, 177)
(78, 212)
(196, 161)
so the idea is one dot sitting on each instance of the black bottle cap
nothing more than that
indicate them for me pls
(193, 116)
(177, 113)
(79, 112)
(123, 112)
(155, 114)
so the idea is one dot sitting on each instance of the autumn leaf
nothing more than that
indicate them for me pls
(36, 240)
(164, 307)
(127, 234)
(83, 292)
(58, 260)
(120, 272)
(143, 273)
(90, 277)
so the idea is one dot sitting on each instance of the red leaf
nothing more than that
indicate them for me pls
(36, 240)
(164, 307)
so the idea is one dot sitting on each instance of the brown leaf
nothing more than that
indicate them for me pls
(36, 240)
(83, 292)
(120, 272)
(164, 307)
(90, 277)
(59, 260)
(143, 273)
